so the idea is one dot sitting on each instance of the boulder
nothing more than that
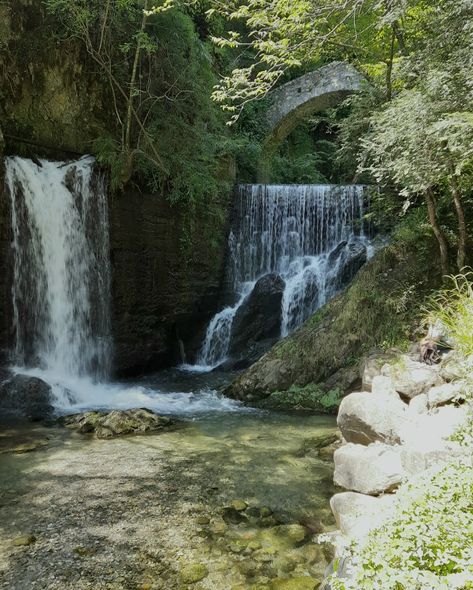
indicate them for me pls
(344, 262)
(411, 378)
(372, 365)
(365, 418)
(446, 393)
(382, 385)
(372, 470)
(418, 458)
(427, 431)
(452, 366)
(23, 396)
(418, 405)
(357, 514)
(259, 316)
(117, 422)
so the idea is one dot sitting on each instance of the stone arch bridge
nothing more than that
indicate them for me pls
(299, 98)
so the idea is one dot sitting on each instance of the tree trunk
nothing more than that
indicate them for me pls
(134, 73)
(389, 67)
(462, 232)
(429, 198)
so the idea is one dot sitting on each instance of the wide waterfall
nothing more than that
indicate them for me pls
(61, 277)
(312, 236)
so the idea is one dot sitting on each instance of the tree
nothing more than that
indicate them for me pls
(115, 35)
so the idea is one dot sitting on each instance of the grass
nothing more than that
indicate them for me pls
(451, 311)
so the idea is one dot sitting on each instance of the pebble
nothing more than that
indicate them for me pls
(24, 541)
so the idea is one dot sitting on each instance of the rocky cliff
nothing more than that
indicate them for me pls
(54, 104)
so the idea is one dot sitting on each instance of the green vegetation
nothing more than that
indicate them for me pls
(309, 398)
(167, 135)
(425, 544)
(451, 311)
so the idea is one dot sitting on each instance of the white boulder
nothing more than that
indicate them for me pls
(418, 458)
(427, 431)
(372, 470)
(372, 365)
(364, 418)
(443, 394)
(418, 405)
(357, 514)
(411, 378)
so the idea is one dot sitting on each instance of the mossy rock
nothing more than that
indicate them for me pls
(24, 541)
(192, 573)
(312, 446)
(299, 583)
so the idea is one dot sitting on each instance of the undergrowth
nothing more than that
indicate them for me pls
(427, 544)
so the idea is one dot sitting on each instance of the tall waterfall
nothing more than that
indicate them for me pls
(304, 233)
(61, 282)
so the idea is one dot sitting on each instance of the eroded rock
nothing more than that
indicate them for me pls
(259, 317)
(372, 470)
(411, 378)
(27, 397)
(364, 418)
(357, 514)
(117, 422)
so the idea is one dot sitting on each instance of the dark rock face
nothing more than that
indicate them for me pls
(117, 422)
(348, 258)
(159, 298)
(5, 269)
(259, 317)
(26, 397)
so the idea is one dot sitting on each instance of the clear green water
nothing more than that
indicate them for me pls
(134, 512)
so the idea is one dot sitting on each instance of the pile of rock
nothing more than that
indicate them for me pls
(398, 427)
(117, 422)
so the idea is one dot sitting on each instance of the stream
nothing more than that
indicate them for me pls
(147, 512)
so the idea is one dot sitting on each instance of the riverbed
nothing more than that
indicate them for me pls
(220, 497)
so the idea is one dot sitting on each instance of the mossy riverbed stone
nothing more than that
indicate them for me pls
(192, 573)
(299, 583)
(24, 541)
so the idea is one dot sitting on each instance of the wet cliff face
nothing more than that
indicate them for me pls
(167, 262)
(5, 268)
(163, 292)
(51, 96)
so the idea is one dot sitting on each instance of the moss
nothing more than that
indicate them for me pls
(309, 398)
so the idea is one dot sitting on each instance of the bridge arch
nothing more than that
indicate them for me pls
(299, 98)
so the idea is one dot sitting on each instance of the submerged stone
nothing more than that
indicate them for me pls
(24, 541)
(239, 505)
(299, 583)
(117, 422)
(232, 516)
(192, 573)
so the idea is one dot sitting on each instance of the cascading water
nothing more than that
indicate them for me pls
(61, 282)
(61, 291)
(304, 233)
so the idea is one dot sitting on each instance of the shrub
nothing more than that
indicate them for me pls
(451, 309)
(309, 398)
(427, 544)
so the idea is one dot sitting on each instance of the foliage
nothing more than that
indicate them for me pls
(452, 310)
(309, 398)
(167, 136)
(425, 544)
(286, 35)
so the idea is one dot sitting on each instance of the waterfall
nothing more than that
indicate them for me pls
(61, 277)
(306, 234)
